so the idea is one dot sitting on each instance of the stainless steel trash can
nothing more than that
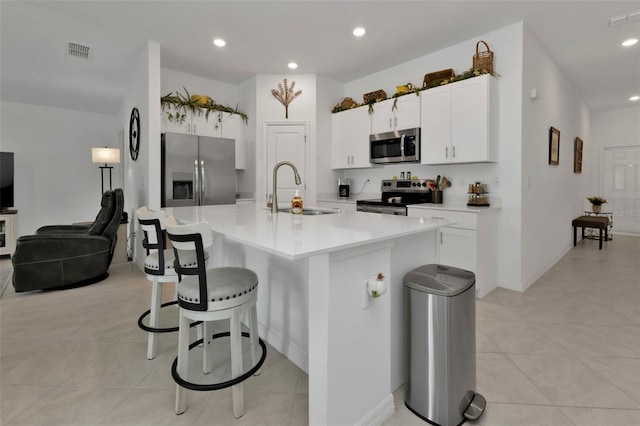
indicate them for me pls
(440, 375)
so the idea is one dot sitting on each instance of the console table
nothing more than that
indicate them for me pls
(592, 234)
(8, 224)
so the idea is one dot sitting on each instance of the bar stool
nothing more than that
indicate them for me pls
(158, 265)
(211, 295)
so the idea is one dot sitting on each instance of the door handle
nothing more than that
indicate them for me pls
(203, 183)
(454, 152)
(446, 152)
(196, 183)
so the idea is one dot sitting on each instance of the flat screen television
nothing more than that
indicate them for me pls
(6, 180)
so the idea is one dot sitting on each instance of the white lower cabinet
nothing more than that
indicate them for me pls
(457, 248)
(8, 236)
(471, 243)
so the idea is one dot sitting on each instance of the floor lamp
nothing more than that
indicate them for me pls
(107, 156)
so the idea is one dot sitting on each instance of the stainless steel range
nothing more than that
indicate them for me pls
(397, 194)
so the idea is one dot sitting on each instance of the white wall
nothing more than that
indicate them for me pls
(221, 93)
(142, 177)
(269, 109)
(328, 94)
(55, 180)
(246, 179)
(507, 44)
(615, 128)
(551, 195)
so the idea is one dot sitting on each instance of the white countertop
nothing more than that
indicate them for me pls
(298, 236)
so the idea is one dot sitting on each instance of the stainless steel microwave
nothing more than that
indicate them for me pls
(400, 146)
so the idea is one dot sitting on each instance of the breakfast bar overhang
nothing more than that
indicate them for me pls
(313, 303)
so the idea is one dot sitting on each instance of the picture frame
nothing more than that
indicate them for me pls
(554, 146)
(577, 155)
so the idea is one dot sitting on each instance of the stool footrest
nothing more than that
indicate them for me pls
(145, 327)
(216, 386)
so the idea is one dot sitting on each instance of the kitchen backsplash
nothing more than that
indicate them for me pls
(460, 175)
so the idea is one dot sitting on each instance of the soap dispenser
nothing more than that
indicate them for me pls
(296, 203)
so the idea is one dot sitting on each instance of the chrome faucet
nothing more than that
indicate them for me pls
(274, 201)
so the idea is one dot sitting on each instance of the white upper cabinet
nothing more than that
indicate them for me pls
(458, 122)
(193, 124)
(405, 115)
(207, 126)
(350, 132)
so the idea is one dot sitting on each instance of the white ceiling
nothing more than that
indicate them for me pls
(263, 36)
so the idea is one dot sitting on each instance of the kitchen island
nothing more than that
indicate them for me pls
(313, 304)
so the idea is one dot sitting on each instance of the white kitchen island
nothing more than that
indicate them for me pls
(312, 301)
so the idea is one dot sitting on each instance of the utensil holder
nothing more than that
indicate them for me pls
(436, 197)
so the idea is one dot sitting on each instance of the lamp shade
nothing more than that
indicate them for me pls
(105, 155)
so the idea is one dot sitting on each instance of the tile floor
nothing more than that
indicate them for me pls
(565, 352)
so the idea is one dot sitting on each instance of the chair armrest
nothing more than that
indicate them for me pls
(42, 248)
(76, 228)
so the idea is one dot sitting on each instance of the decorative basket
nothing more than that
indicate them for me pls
(376, 96)
(435, 78)
(201, 99)
(347, 103)
(483, 60)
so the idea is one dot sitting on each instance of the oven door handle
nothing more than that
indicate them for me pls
(402, 146)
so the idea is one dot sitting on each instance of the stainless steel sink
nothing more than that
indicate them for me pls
(311, 212)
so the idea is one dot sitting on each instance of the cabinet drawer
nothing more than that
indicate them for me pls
(463, 219)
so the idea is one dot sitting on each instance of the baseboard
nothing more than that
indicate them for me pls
(381, 412)
(294, 354)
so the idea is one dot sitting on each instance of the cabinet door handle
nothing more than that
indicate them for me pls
(454, 152)
(194, 128)
(446, 152)
(395, 121)
(441, 238)
(189, 128)
(390, 123)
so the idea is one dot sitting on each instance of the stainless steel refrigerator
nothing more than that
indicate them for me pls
(197, 170)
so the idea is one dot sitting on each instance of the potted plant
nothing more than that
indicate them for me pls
(596, 203)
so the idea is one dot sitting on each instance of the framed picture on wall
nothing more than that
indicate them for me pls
(554, 146)
(577, 156)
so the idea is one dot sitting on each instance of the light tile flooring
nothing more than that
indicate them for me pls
(565, 352)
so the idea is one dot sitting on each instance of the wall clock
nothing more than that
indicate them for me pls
(134, 134)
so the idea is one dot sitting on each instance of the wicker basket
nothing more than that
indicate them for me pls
(376, 96)
(483, 60)
(347, 103)
(435, 78)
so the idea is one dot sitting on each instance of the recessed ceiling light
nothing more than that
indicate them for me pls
(359, 32)
(629, 42)
(292, 65)
(634, 98)
(219, 42)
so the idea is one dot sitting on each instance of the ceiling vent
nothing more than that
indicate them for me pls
(79, 50)
(623, 19)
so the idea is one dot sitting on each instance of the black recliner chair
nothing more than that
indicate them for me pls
(69, 255)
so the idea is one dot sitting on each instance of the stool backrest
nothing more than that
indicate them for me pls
(153, 224)
(185, 240)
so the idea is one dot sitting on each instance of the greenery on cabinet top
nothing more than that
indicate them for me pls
(470, 73)
(181, 104)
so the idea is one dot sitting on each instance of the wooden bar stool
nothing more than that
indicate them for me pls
(211, 295)
(158, 265)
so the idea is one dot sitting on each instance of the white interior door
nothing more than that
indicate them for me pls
(286, 142)
(621, 168)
